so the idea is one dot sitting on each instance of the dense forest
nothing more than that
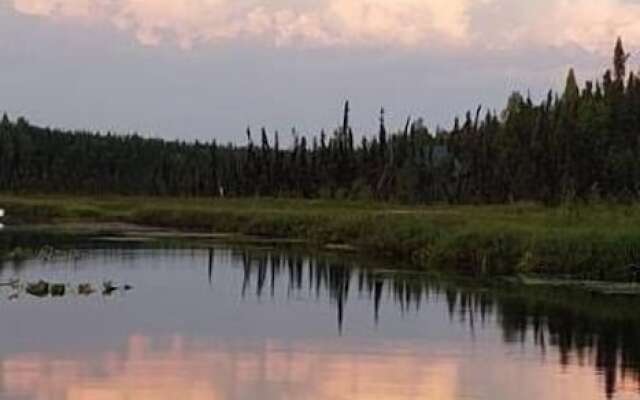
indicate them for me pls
(583, 143)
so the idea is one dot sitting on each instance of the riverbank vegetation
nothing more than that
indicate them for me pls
(473, 198)
(597, 241)
(579, 144)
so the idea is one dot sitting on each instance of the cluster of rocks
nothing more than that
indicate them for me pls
(45, 289)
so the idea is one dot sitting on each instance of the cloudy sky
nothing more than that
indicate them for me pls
(210, 68)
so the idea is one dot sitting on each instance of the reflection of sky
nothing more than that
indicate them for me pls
(180, 368)
(203, 68)
(269, 370)
(175, 336)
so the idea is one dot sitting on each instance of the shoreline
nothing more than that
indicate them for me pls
(585, 242)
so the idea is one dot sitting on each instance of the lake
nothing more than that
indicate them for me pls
(210, 321)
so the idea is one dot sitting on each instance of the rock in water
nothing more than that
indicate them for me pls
(40, 289)
(108, 288)
(58, 290)
(85, 289)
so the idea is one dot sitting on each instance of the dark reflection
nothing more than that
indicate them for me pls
(581, 326)
(586, 328)
(211, 258)
(323, 276)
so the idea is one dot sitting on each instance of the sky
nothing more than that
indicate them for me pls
(208, 69)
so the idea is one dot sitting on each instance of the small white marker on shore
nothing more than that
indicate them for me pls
(1, 212)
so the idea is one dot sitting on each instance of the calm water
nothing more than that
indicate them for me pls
(266, 324)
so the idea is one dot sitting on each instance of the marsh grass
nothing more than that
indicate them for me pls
(596, 241)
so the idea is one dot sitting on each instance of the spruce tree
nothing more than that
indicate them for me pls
(571, 90)
(620, 58)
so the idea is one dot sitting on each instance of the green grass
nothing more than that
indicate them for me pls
(595, 241)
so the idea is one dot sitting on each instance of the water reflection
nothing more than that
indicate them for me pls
(192, 370)
(585, 328)
(179, 368)
(246, 324)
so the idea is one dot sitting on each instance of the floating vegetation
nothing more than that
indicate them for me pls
(49, 253)
(18, 254)
(44, 253)
(12, 283)
(597, 287)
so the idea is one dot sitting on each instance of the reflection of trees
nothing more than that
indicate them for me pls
(602, 331)
(584, 328)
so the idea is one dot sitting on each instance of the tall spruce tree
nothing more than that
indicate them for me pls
(620, 58)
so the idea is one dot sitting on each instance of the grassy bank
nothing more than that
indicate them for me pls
(588, 242)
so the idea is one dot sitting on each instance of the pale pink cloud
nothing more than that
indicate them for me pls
(59, 8)
(590, 24)
(322, 23)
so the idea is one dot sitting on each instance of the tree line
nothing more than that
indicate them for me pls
(582, 143)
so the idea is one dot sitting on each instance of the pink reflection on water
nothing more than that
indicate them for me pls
(178, 368)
